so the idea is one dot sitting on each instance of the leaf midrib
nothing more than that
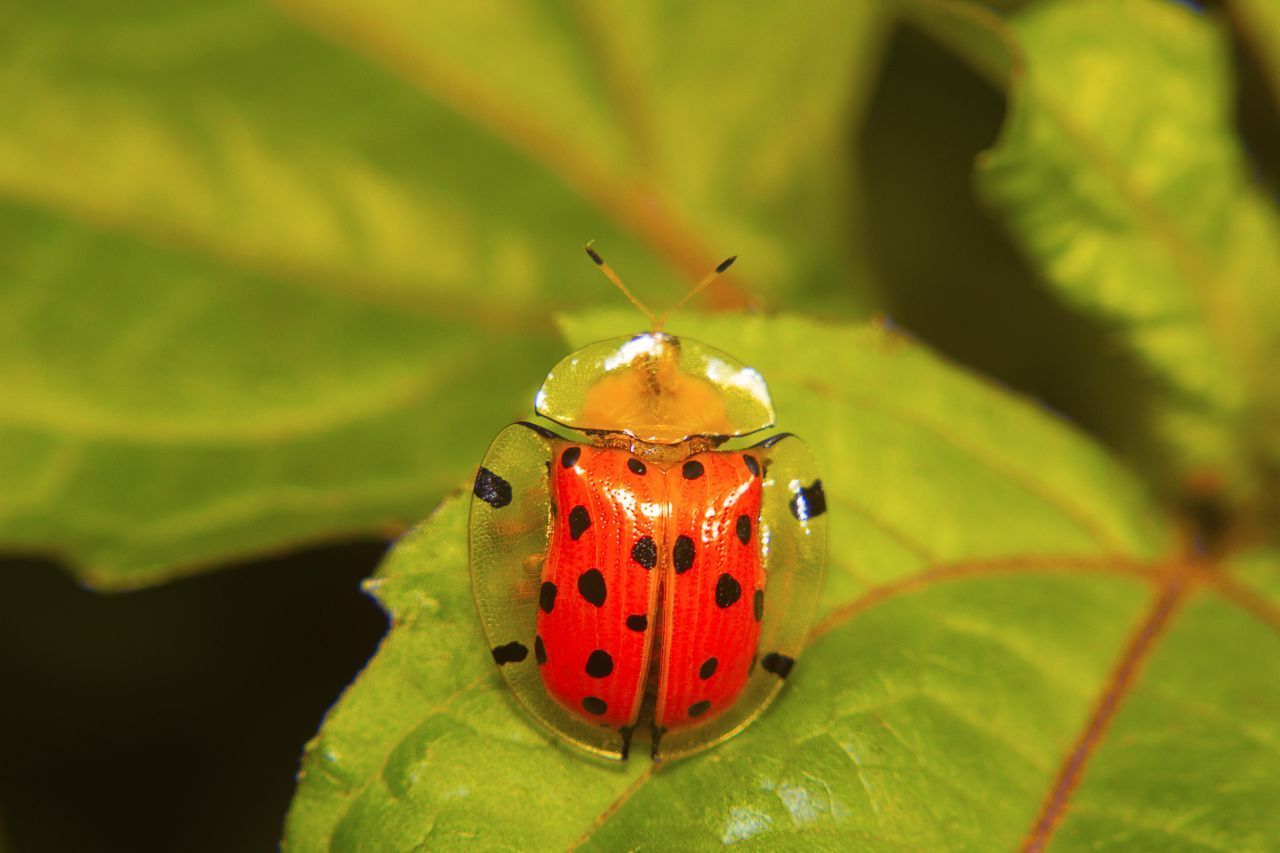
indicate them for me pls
(638, 208)
(376, 290)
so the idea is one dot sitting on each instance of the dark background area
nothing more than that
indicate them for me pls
(173, 718)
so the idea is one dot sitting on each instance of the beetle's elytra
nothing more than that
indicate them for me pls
(648, 568)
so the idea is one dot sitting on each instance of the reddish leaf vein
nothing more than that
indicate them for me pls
(915, 583)
(1136, 652)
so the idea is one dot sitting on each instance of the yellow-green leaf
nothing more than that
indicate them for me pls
(1189, 762)
(264, 269)
(1119, 173)
(995, 581)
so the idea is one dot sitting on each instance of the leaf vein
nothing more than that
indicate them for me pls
(1137, 650)
(636, 208)
(913, 583)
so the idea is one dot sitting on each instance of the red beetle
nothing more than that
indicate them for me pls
(648, 568)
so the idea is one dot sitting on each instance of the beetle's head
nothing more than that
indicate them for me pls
(657, 388)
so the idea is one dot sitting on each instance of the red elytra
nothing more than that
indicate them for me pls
(637, 536)
(663, 582)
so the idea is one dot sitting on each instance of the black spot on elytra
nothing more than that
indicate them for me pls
(757, 604)
(637, 622)
(753, 464)
(591, 586)
(599, 664)
(539, 651)
(683, 554)
(547, 596)
(728, 590)
(809, 502)
(645, 552)
(708, 668)
(492, 489)
(636, 466)
(744, 529)
(570, 457)
(692, 469)
(594, 705)
(579, 521)
(697, 709)
(512, 652)
(779, 665)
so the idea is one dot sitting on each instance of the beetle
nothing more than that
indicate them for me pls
(646, 567)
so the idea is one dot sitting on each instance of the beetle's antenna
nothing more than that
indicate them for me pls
(613, 277)
(706, 282)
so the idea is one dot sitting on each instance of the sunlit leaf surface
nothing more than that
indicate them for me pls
(1120, 174)
(993, 580)
(275, 273)
(265, 269)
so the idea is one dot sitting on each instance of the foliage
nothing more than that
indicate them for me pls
(1140, 179)
(1009, 564)
(258, 262)
(276, 274)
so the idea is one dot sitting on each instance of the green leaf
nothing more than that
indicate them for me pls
(1259, 575)
(1189, 761)
(138, 435)
(1119, 173)
(993, 580)
(263, 270)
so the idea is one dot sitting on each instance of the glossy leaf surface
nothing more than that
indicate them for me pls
(993, 580)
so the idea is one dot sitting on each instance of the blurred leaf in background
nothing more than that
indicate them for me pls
(267, 268)
(273, 274)
(1133, 196)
